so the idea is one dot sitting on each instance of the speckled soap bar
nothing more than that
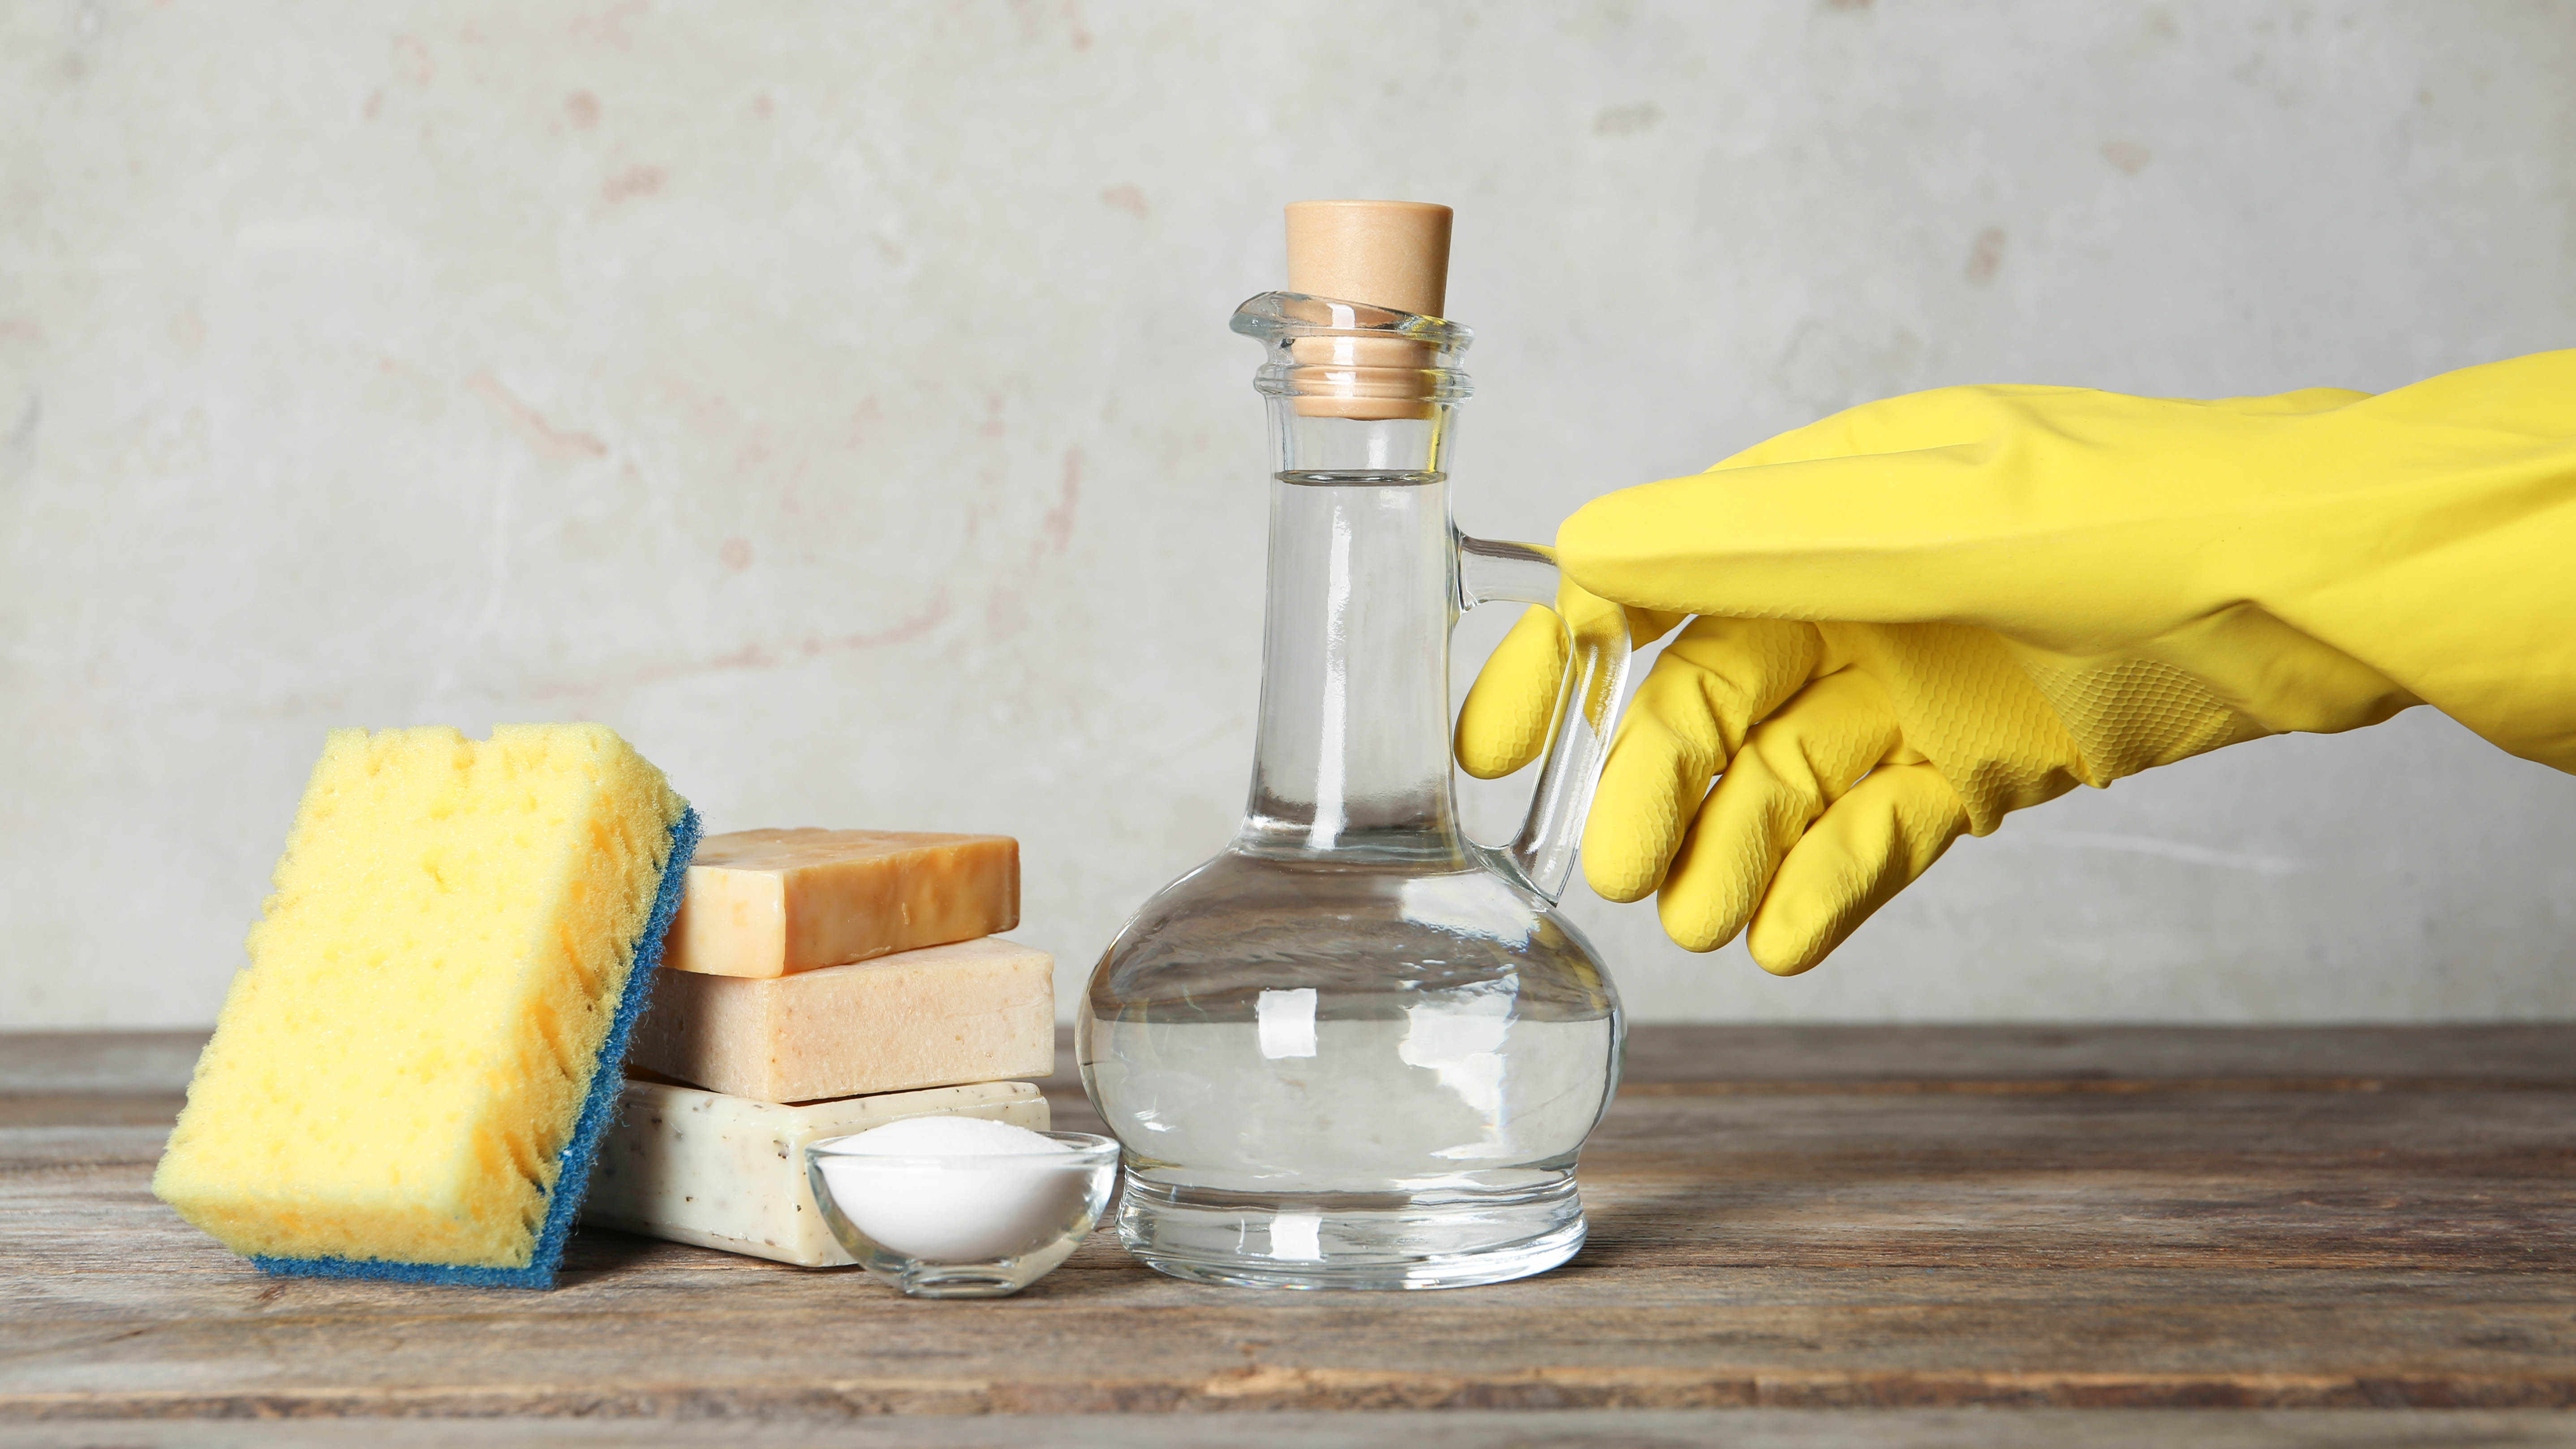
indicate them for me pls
(728, 1172)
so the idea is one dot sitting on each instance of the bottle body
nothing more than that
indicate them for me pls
(1334, 1073)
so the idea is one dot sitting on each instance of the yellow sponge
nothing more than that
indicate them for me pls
(409, 1079)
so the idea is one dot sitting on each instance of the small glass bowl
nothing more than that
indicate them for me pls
(979, 1225)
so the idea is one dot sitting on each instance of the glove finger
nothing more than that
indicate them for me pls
(1868, 846)
(1792, 769)
(1510, 709)
(1512, 705)
(1707, 689)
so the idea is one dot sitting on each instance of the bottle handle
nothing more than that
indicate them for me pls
(1587, 705)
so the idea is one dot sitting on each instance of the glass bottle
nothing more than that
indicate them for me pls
(1357, 1049)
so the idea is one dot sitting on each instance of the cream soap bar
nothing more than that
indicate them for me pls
(723, 1172)
(976, 1011)
(773, 902)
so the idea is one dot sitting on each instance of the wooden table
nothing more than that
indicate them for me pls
(1923, 1225)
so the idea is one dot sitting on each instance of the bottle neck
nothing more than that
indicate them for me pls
(1353, 752)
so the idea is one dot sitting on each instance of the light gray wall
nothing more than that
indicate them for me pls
(837, 400)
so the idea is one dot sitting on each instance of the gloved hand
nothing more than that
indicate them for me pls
(1920, 614)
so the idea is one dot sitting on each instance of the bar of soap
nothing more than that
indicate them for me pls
(975, 1011)
(727, 1172)
(775, 902)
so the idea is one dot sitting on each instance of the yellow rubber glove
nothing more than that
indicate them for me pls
(1915, 616)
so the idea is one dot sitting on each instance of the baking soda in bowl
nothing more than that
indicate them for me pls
(1011, 1198)
(960, 1206)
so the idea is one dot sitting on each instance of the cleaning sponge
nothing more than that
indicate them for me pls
(410, 1078)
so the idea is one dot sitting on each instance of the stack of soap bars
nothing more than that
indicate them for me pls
(819, 983)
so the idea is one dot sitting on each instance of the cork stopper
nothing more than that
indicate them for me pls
(1391, 254)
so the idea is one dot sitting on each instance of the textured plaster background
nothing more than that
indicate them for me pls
(837, 400)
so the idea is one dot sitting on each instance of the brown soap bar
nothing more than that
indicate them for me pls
(772, 902)
(974, 1011)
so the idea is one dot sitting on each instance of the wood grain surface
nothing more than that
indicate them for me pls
(1913, 1221)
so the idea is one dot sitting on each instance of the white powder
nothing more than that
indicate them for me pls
(948, 1137)
(1000, 1197)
